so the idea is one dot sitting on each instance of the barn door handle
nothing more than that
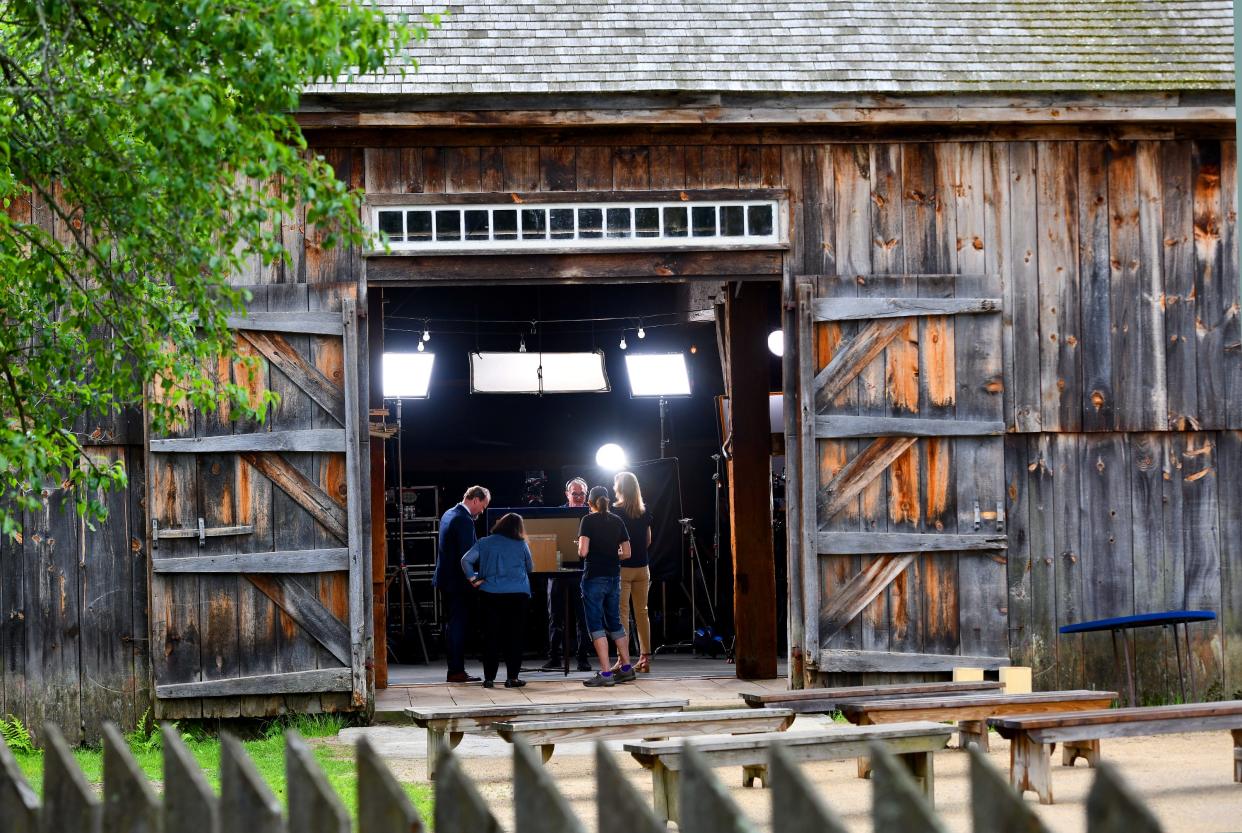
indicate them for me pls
(155, 534)
(978, 516)
(1000, 516)
(202, 533)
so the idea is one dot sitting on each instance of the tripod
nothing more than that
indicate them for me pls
(403, 571)
(687, 529)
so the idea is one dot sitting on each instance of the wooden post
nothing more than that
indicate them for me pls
(705, 805)
(621, 808)
(190, 805)
(130, 805)
(1113, 808)
(246, 802)
(459, 807)
(379, 540)
(313, 805)
(383, 806)
(68, 801)
(1088, 750)
(898, 804)
(796, 805)
(750, 488)
(972, 731)
(537, 804)
(1030, 767)
(19, 806)
(994, 807)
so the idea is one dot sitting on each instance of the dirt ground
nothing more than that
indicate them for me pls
(1186, 780)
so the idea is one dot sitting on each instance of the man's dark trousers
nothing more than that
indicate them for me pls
(457, 621)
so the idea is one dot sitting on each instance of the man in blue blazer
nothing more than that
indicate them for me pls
(457, 536)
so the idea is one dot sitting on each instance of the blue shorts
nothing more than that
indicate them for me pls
(601, 600)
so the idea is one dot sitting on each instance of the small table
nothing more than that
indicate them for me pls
(1121, 624)
(571, 626)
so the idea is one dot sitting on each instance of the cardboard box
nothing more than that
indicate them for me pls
(543, 552)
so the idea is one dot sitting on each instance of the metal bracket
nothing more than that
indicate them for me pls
(155, 534)
(202, 533)
(978, 516)
(1000, 516)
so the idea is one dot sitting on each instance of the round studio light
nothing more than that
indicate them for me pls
(610, 457)
(776, 342)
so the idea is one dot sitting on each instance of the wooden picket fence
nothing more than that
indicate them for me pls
(246, 805)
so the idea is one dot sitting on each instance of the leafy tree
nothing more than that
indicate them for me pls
(146, 147)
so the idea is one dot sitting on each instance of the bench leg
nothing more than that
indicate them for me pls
(972, 731)
(1030, 767)
(753, 771)
(864, 766)
(439, 742)
(664, 787)
(1237, 754)
(921, 766)
(546, 750)
(1088, 750)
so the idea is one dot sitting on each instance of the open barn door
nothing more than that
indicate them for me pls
(901, 474)
(258, 574)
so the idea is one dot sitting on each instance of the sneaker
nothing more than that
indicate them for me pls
(552, 665)
(514, 683)
(489, 683)
(583, 665)
(600, 681)
(623, 676)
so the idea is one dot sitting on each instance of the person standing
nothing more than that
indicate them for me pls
(457, 536)
(558, 586)
(500, 565)
(635, 570)
(602, 543)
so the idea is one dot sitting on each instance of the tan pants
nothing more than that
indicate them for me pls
(636, 581)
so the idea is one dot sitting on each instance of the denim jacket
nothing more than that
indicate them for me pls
(502, 562)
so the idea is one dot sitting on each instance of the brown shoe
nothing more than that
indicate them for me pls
(461, 677)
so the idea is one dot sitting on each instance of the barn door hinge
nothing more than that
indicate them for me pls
(155, 534)
(202, 533)
(978, 516)
(1000, 516)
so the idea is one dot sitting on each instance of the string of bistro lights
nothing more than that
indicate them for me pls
(639, 325)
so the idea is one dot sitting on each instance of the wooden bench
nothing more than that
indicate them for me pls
(914, 743)
(971, 712)
(825, 700)
(1034, 737)
(547, 733)
(446, 725)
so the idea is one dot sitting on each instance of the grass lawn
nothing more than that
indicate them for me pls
(267, 753)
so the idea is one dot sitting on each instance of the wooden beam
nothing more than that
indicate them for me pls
(838, 427)
(575, 267)
(281, 561)
(311, 440)
(853, 597)
(859, 472)
(852, 356)
(860, 309)
(750, 486)
(282, 355)
(837, 660)
(304, 607)
(314, 323)
(359, 568)
(294, 682)
(875, 543)
(304, 491)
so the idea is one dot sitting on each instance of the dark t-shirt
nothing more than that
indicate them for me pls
(606, 532)
(637, 529)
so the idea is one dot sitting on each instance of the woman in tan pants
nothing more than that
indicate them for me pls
(635, 574)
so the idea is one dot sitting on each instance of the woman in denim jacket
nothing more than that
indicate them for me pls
(500, 565)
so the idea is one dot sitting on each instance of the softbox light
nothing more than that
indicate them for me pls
(407, 375)
(538, 373)
(658, 374)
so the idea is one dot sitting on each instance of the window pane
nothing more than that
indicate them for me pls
(590, 222)
(675, 220)
(704, 218)
(418, 226)
(646, 222)
(477, 225)
(618, 222)
(534, 224)
(448, 225)
(504, 224)
(562, 223)
(732, 221)
(390, 224)
(759, 218)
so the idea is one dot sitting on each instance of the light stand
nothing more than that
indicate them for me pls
(402, 569)
(664, 440)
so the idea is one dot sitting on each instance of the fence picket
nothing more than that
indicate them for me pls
(129, 803)
(1113, 808)
(796, 807)
(459, 807)
(68, 802)
(19, 805)
(897, 805)
(621, 808)
(705, 804)
(190, 805)
(994, 805)
(246, 803)
(313, 805)
(538, 805)
(383, 806)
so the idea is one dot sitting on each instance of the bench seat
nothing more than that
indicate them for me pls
(446, 725)
(825, 700)
(1034, 737)
(913, 743)
(971, 711)
(547, 733)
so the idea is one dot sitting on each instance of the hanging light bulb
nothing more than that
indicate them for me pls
(623, 345)
(420, 347)
(641, 332)
(426, 332)
(522, 343)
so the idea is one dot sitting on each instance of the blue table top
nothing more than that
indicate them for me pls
(1168, 617)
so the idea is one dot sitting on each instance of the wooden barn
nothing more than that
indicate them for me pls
(1004, 234)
